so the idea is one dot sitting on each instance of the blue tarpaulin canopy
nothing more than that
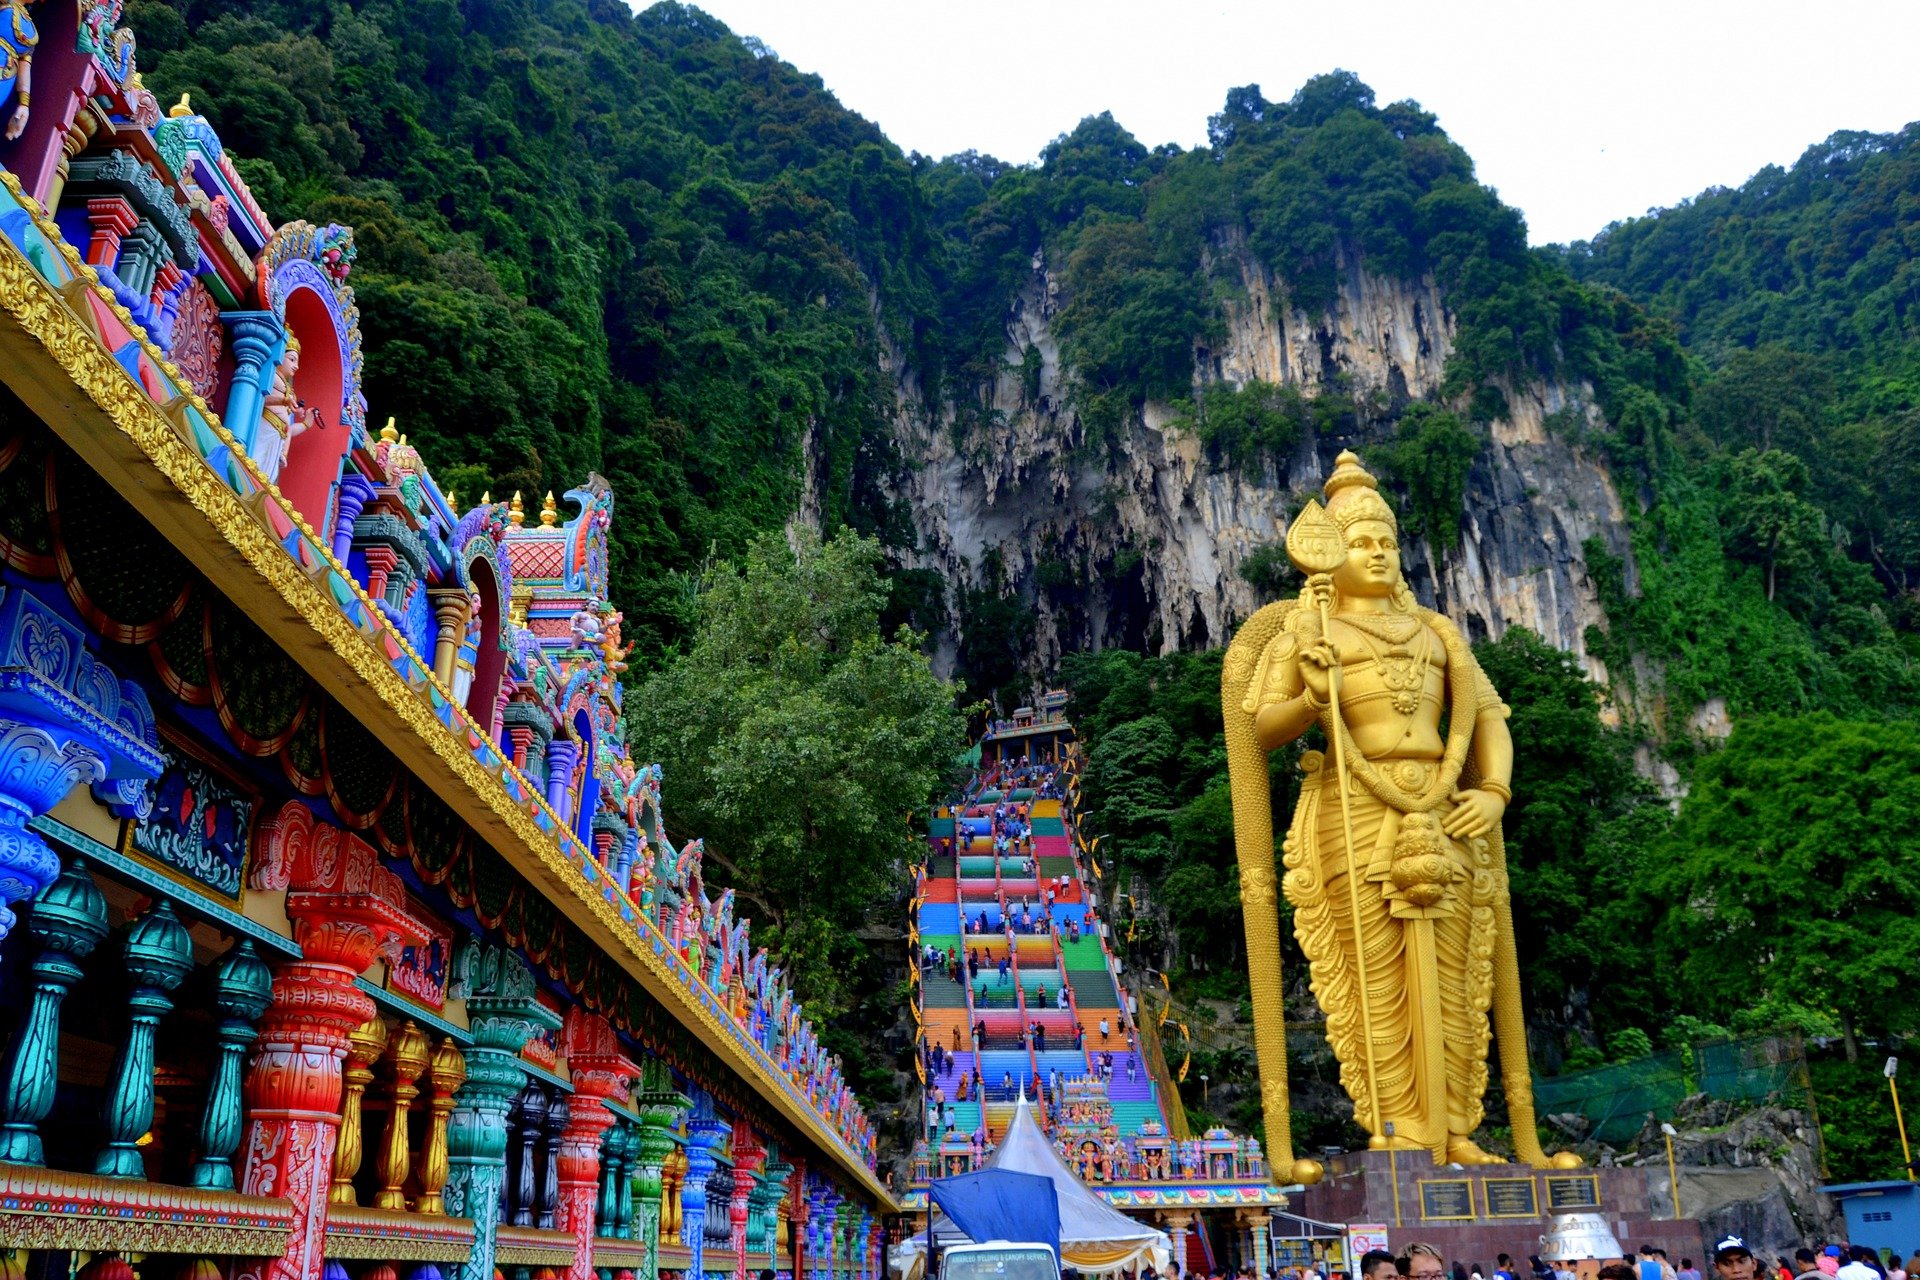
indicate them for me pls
(999, 1204)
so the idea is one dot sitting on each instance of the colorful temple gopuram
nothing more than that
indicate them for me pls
(1020, 996)
(340, 935)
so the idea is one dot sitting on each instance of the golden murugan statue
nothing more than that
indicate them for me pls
(1394, 862)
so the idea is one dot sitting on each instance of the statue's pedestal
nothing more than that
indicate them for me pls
(1474, 1213)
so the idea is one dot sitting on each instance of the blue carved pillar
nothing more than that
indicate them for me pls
(705, 1131)
(242, 989)
(562, 753)
(354, 493)
(503, 1014)
(69, 918)
(258, 340)
(63, 721)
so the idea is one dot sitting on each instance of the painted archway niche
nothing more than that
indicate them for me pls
(314, 412)
(478, 683)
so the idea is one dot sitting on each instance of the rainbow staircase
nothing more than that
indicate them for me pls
(1040, 1004)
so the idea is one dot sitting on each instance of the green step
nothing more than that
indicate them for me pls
(942, 992)
(1084, 954)
(1093, 989)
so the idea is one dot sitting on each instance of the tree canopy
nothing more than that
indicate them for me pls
(797, 740)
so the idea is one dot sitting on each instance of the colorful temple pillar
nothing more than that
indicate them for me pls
(600, 1075)
(660, 1107)
(705, 1135)
(503, 1013)
(68, 919)
(1178, 1226)
(346, 909)
(65, 719)
(796, 1209)
(748, 1156)
(243, 987)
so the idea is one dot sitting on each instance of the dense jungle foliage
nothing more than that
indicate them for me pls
(639, 244)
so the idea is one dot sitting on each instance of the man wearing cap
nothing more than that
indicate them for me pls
(1732, 1260)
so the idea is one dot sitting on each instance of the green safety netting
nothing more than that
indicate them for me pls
(1617, 1099)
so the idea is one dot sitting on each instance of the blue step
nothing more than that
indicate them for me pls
(939, 918)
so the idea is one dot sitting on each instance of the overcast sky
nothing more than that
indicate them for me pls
(1578, 113)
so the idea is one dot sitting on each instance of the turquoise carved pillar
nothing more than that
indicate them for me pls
(606, 1209)
(774, 1181)
(242, 989)
(503, 1014)
(69, 918)
(623, 1184)
(159, 954)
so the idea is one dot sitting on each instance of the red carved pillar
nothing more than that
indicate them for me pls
(165, 281)
(346, 909)
(112, 217)
(600, 1071)
(381, 562)
(747, 1156)
(797, 1217)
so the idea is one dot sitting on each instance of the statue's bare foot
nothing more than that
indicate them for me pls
(1463, 1150)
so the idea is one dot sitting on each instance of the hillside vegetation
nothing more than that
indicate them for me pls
(642, 245)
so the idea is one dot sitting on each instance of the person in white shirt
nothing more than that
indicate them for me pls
(1856, 1268)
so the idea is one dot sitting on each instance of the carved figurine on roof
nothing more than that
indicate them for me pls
(18, 36)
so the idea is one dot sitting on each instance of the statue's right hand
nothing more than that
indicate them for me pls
(1316, 669)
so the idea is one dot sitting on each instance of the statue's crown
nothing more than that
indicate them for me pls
(1354, 494)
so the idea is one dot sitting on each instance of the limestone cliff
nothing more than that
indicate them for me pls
(1140, 543)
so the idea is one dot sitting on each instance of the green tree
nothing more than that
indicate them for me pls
(1575, 833)
(1431, 454)
(1789, 876)
(796, 739)
(1769, 523)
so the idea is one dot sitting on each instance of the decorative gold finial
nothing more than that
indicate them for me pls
(486, 497)
(184, 107)
(548, 513)
(389, 433)
(403, 437)
(516, 514)
(453, 500)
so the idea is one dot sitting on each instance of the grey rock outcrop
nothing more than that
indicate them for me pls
(1139, 542)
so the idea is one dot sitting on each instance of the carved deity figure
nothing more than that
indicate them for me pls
(1393, 861)
(282, 415)
(18, 36)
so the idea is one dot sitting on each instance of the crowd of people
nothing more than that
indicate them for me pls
(1732, 1260)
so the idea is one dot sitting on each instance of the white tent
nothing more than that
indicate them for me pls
(1095, 1237)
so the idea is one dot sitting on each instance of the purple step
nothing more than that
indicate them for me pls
(1119, 1088)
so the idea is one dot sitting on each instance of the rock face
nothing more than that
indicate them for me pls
(1753, 1173)
(1139, 543)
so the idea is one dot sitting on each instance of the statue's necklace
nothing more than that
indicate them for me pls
(1402, 671)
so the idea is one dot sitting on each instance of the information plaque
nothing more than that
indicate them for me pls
(1511, 1198)
(1446, 1199)
(1575, 1191)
